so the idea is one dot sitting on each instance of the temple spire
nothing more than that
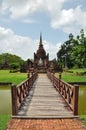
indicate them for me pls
(40, 39)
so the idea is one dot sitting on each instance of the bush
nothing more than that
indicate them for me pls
(14, 66)
(81, 73)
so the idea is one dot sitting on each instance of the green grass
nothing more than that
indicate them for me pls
(15, 78)
(72, 77)
(78, 70)
(3, 121)
(83, 118)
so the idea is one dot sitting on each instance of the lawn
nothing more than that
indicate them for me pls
(78, 70)
(73, 77)
(15, 78)
(83, 118)
(3, 121)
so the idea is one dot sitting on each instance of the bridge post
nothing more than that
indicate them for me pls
(75, 99)
(60, 75)
(32, 78)
(28, 75)
(14, 99)
(53, 78)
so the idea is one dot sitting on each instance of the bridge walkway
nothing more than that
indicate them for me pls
(44, 101)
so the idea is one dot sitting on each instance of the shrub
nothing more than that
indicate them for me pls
(14, 66)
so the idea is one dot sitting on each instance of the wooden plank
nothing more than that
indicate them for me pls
(44, 101)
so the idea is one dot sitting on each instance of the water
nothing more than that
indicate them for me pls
(5, 100)
(82, 100)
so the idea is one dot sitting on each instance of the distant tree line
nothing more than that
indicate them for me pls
(12, 62)
(72, 53)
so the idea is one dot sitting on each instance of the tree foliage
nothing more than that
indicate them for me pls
(10, 59)
(14, 66)
(73, 51)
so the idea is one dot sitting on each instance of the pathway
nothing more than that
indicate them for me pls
(44, 101)
(45, 124)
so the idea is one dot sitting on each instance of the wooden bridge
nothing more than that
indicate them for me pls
(44, 96)
(44, 102)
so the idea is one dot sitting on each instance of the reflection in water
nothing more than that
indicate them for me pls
(5, 100)
(82, 100)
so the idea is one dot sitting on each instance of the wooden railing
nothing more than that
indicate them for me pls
(67, 91)
(20, 91)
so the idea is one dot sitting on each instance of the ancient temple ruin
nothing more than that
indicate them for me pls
(41, 61)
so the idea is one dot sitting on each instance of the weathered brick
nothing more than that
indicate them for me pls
(45, 124)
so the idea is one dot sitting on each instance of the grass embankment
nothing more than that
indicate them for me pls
(3, 121)
(73, 75)
(15, 78)
(83, 118)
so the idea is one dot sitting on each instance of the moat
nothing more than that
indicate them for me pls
(5, 100)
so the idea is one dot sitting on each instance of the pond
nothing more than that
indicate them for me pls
(5, 100)
(82, 100)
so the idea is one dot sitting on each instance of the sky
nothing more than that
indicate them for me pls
(22, 21)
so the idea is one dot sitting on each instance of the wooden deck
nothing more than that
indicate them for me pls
(44, 101)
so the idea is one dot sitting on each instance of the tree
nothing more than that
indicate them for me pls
(74, 50)
(64, 54)
(82, 48)
(10, 58)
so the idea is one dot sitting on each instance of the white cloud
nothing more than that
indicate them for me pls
(80, 16)
(65, 18)
(19, 45)
(22, 8)
(70, 20)
(5, 33)
(22, 46)
(51, 48)
(62, 18)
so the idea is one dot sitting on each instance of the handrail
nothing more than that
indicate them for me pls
(67, 91)
(20, 91)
